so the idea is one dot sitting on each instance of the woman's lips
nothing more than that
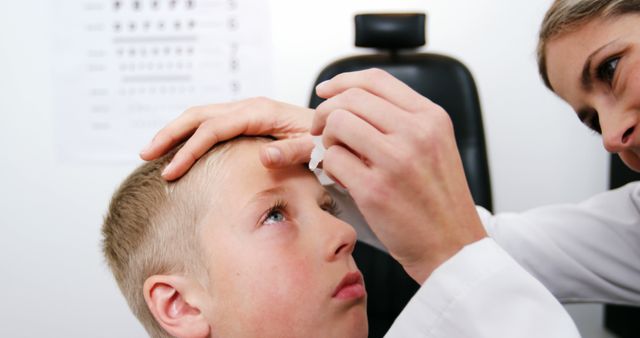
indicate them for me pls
(351, 287)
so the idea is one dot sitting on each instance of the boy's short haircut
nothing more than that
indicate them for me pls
(151, 228)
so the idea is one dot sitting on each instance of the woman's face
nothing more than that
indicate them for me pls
(596, 69)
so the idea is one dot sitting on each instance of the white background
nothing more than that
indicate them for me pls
(52, 276)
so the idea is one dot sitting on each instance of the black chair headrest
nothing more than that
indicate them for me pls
(390, 31)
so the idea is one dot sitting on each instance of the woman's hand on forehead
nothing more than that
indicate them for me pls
(205, 126)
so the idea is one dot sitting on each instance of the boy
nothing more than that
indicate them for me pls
(234, 250)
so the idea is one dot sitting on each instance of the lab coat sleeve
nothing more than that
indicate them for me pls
(482, 292)
(586, 252)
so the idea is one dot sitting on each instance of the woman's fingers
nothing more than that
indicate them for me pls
(282, 153)
(378, 112)
(350, 131)
(344, 128)
(180, 128)
(379, 83)
(345, 168)
(207, 125)
(210, 132)
(396, 153)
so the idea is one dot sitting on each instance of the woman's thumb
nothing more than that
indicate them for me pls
(287, 152)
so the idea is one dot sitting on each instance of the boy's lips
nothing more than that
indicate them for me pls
(351, 287)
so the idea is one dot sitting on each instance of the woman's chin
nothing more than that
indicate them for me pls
(631, 159)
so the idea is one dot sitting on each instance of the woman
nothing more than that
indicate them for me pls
(382, 138)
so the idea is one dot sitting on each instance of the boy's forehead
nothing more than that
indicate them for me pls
(246, 174)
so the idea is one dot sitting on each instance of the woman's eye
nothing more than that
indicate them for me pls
(274, 216)
(594, 124)
(589, 117)
(607, 70)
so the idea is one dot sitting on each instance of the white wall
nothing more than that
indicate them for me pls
(52, 276)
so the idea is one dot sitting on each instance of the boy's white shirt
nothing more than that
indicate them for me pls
(586, 252)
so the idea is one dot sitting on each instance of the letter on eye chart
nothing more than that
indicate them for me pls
(122, 69)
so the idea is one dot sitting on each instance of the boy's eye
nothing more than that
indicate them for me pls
(276, 213)
(331, 206)
(607, 70)
(274, 216)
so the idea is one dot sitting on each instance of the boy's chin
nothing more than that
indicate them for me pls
(358, 326)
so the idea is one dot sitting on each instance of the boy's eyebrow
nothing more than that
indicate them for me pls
(324, 195)
(268, 192)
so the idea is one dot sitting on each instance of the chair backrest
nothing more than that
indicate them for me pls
(448, 83)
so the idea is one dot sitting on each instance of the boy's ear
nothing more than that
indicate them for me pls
(167, 298)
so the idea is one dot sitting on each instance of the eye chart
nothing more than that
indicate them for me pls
(124, 68)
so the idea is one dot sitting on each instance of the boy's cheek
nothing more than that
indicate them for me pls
(290, 275)
(269, 271)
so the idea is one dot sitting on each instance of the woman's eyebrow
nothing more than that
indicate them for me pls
(586, 79)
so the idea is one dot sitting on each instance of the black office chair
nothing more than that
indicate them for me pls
(448, 83)
(619, 319)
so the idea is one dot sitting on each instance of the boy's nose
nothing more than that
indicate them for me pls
(341, 239)
(618, 131)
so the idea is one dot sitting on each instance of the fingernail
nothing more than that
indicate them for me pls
(146, 149)
(274, 154)
(321, 85)
(168, 169)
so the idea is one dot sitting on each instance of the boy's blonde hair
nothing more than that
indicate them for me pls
(152, 228)
(566, 15)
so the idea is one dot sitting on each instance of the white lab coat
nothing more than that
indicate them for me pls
(587, 252)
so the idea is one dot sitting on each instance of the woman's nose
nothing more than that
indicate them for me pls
(618, 131)
(342, 239)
